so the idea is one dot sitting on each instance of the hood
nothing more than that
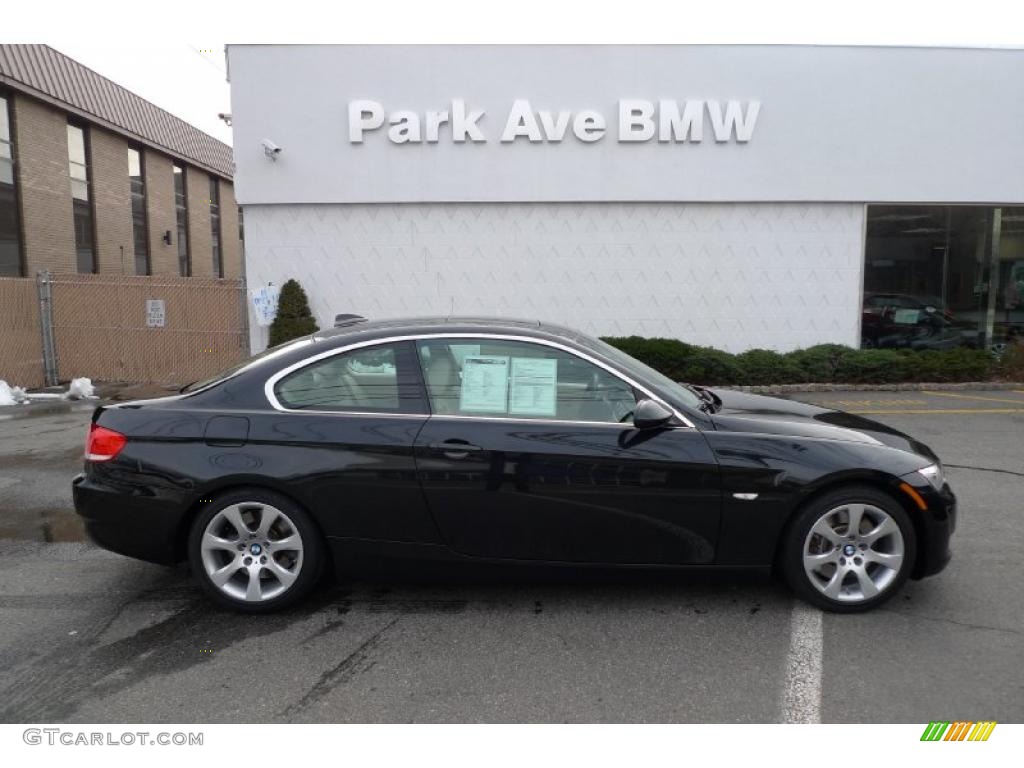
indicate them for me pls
(742, 412)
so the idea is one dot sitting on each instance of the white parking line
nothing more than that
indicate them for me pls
(801, 702)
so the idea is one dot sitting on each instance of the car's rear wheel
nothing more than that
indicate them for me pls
(255, 551)
(850, 550)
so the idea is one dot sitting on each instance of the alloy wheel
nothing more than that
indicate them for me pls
(252, 551)
(853, 552)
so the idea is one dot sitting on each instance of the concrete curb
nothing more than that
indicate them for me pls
(48, 408)
(782, 389)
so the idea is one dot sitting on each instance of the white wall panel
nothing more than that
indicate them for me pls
(733, 276)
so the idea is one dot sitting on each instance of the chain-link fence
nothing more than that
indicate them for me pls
(161, 330)
(21, 349)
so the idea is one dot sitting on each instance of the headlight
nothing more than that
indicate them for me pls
(933, 475)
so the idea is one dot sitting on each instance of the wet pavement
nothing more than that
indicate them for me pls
(40, 451)
(88, 636)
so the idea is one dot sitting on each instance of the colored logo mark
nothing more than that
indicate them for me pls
(958, 731)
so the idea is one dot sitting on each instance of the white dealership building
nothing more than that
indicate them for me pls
(733, 196)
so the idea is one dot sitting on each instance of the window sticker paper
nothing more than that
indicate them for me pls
(484, 384)
(533, 390)
(461, 351)
(906, 316)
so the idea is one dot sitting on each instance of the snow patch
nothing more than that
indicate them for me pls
(81, 389)
(11, 395)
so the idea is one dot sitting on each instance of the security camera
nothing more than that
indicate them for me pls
(270, 149)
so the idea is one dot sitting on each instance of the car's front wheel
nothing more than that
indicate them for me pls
(849, 550)
(255, 551)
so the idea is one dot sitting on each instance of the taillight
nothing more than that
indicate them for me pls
(103, 444)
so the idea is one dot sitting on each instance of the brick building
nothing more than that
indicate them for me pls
(94, 179)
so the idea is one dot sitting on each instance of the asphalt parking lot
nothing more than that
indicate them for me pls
(87, 636)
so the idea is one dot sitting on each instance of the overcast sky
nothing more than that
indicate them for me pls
(187, 80)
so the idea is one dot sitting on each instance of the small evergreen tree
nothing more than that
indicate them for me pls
(293, 316)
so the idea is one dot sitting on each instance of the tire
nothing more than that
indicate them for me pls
(829, 569)
(256, 578)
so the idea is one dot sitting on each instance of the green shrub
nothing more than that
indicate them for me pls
(666, 355)
(763, 366)
(960, 364)
(824, 363)
(1011, 366)
(294, 318)
(820, 363)
(874, 366)
(712, 366)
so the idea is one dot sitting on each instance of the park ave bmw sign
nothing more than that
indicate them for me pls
(639, 120)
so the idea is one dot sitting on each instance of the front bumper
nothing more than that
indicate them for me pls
(142, 527)
(934, 526)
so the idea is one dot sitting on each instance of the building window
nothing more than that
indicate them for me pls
(938, 277)
(181, 212)
(218, 256)
(10, 240)
(140, 236)
(78, 167)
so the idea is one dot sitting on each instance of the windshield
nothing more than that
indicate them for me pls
(644, 372)
(266, 354)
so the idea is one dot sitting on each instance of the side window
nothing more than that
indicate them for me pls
(485, 377)
(373, 379)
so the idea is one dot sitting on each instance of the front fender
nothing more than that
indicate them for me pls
(783, 473)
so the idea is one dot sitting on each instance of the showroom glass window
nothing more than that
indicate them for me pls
(140, 236)
(515, 379)
(939, 277)
(181, 216)
(78, 167)
(379, 379)
(218, 255)
(10, 228)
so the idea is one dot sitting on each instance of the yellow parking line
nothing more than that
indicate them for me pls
(903, 401)
(1016, 400)
(943, 410)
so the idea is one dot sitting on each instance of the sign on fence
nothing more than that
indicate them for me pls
(156, 313)
(264, 303)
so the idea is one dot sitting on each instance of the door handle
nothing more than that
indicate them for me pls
(454, 449)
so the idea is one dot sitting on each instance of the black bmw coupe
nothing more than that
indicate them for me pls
(499, 441)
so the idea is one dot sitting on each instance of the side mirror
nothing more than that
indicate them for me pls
(649, 414)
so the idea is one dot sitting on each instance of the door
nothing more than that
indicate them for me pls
(530, 453)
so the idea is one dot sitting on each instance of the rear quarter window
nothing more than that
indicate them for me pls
(376, 379)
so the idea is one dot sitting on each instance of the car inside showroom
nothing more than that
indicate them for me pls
(938, 277)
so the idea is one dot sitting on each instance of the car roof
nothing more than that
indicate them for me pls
(372, 330)
(451, 324)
